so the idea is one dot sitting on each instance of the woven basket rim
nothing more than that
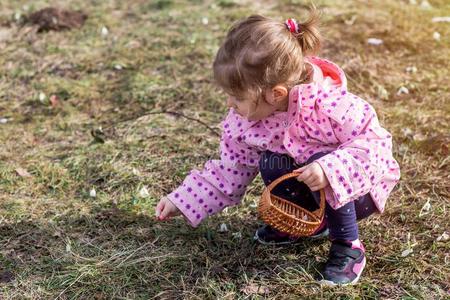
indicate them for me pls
(317, 219)
(267, 208)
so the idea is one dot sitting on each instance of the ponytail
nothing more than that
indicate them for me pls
(307, 33)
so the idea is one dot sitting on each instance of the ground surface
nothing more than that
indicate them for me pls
(56, 241)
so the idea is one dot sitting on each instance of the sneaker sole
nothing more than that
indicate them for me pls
(331, 283)
(321, 235)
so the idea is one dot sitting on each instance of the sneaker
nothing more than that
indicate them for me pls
(345, 264)
(268, 235)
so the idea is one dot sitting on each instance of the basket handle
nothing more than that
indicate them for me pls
(274, 183)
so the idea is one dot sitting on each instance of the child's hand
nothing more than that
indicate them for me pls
(166, 209)
(313, 176)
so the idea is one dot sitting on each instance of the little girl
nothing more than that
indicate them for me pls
(291, 112)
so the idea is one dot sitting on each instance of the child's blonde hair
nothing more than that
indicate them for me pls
(260, 53)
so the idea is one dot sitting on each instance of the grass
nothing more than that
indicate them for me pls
(58, 242)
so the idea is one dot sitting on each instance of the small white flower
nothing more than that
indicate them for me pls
(42, 97)
(437, 36)
(382, 93)
(402, 90)
(411, 69)
(443, 237)
(237, 235)
(425, 208)
(223, 227)
(118, 67)
(105, 31)
(17, 16)
(92, 193)
(425, 5)
(135, 172)
(374, 41)
(407, 131)
(407, 252)
(205, 20)
(3, 120)
(143, 192)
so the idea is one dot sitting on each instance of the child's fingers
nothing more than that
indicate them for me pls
(304, 175)
(165, 213)
(313, 181)
(159, 208)
(300, 170)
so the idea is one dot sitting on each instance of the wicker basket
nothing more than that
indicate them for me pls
(287, 216)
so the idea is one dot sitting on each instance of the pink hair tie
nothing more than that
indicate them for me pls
(292, 25)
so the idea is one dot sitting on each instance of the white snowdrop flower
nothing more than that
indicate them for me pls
(407, 131)
(3, 120)
(425, 208)
(406, 252)
(382, 93)
(92, 193)
(205, 20)
(223, 227)
(42, 97)
(118, 67)
(425, 5)
(143, 192)
(104, 31)
(443, 237)
(437, 36)
(237, 235)
(253, 204)
(402, 90)
(374, 41)
(17, 16)
(411, 69)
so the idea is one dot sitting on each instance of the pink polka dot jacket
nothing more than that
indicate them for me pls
(322, 117)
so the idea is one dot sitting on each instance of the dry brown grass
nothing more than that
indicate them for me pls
(58, 242)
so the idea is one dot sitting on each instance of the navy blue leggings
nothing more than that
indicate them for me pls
(341, 222)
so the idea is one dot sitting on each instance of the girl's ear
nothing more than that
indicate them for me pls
(279, 93)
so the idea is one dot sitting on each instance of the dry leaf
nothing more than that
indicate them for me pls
(253, 289)
(22, 172)
(440, 19)
(54, 101)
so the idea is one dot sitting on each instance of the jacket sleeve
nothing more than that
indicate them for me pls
(221, 183)
(362, 159)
